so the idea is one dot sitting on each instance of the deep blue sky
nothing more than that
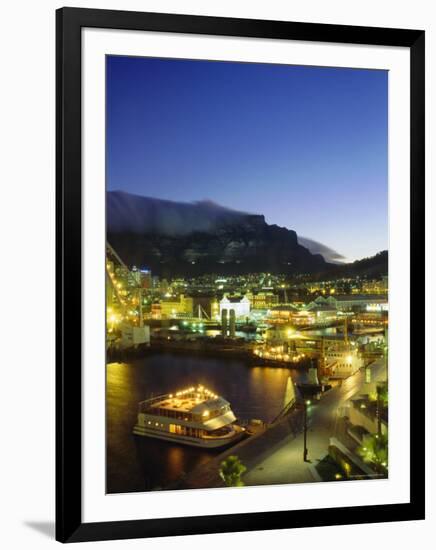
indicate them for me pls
(305, 146)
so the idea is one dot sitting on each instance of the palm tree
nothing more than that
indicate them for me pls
(374, 450)
(231, 471)
(382, 392)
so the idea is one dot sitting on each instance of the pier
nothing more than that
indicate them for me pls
(250, 451)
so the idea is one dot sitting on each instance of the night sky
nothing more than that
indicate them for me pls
(305, 146)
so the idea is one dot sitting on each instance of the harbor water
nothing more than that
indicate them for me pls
(137, 463)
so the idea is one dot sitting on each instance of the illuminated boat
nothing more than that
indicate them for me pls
(194, 416)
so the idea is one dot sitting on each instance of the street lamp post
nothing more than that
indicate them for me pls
(305, 452)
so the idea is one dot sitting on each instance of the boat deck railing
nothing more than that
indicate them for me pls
(147, 403)
(184, 395)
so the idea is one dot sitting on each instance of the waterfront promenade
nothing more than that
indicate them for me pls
(276, 456)
(285, 464)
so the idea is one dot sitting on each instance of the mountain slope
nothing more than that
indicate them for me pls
(182, 239)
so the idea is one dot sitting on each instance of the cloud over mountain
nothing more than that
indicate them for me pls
(176, 238)
(316, 247)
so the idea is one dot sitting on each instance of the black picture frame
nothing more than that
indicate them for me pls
(69, 22)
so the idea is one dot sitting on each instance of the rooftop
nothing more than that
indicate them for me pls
(194, 399)
(234, 299)
(286, 307)
(324, 307)
(362, 297)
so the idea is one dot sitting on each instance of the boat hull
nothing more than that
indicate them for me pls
(204, 443)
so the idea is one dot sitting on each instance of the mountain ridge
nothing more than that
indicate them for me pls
(185, 239)
(189, 239)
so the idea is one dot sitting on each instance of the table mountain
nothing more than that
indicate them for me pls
(186, 239)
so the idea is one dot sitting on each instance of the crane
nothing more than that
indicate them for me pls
(110, 278)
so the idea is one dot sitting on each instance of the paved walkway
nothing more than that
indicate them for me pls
(276, 456)
(250, 452)
(286, 463)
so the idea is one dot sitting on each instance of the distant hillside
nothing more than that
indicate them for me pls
(371, 268)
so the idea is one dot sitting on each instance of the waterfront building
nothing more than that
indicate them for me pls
(183, 307)
(341, 360)
(288, 314)
(370, 319)
(241, 306)
(132, 336)
(324, 314)
(259, 316)
(282, 314)
(264, 300)
(352, 303)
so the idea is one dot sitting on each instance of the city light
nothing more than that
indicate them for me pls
(311, 330)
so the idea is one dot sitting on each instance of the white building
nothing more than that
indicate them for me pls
(132, 336)
(241, 306)
(342, 361)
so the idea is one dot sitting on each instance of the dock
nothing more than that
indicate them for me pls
(250, 451)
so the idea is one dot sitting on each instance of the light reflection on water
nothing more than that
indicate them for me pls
(139, 463)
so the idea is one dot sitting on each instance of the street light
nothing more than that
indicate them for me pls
(305, 452)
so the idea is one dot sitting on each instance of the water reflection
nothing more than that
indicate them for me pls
(141, 464)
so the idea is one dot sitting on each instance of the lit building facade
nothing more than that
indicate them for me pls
(341, 361)
(241, 306)
(183, 307)
(379, 286)
(290, 315)
(263, 300)
(324, 314)
(352, 303)
(372, 319)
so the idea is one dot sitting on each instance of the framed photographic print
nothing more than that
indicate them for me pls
(240, 274)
